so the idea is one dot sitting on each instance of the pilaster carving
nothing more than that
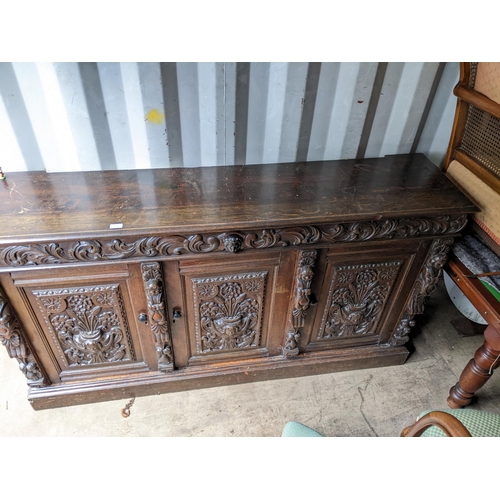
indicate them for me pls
(153, 286)
(11, 336)
(161, 246)
(424, 286)
(302, 301)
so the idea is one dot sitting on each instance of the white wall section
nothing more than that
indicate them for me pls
(99, 116)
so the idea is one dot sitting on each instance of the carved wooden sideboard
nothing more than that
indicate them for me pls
(126, 283)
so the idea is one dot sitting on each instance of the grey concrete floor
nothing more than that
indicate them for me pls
(372, 402)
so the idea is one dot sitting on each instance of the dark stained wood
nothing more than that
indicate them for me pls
(220, 275)
(216, 376)
(37, 206)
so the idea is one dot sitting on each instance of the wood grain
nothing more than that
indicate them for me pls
(38, 205)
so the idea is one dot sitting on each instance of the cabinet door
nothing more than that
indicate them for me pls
(233, 308)
(362, 293)
(86, 320)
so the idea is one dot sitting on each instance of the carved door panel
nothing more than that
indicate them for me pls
(87, 321)
(362, 292)
(228, 307)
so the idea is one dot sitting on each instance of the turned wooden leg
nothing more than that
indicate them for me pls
(478, 371)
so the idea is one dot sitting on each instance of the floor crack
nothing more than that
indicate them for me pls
(361, 391)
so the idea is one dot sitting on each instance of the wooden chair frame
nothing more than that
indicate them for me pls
(449, 424)
(487, 357)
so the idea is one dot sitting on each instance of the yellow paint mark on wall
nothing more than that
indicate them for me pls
(154, 116)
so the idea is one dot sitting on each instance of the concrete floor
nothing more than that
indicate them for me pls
(373, 402)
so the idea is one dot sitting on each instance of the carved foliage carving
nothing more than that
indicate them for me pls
(302, 292)
(153, 285)
(356, 299)
(12, 338)
(155, 246)
(228, 311)
(424, 286)
(89, 323)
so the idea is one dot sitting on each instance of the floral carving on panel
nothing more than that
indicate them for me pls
(229, 311)
(88, 322)
(356, 300)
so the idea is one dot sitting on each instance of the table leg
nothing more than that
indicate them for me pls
(478, 370)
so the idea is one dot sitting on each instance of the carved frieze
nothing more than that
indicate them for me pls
(424, 286)
(228, 311)
(302, 301)
(356, 299)
(11, 336)
(153, 286)
(88, 323)
(158, 246)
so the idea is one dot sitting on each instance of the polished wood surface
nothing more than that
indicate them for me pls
(449, 424)
(36, 205)
(220, 275)
(478, 371)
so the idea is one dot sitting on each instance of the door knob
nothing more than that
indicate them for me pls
(177, 314)
(143, 318)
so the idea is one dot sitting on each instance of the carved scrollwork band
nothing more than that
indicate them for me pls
(424, 286)
(153, 286)
(158, 246)
(12, 338)
(302, 301)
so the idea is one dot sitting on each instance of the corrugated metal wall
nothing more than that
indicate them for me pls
(92, 116)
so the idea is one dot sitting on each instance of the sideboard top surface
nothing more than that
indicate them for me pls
(39, 205)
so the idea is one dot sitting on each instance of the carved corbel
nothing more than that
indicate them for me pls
(13, 338)
(153, 286)
(302, 301)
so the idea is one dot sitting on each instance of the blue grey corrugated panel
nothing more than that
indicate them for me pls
(92, 116)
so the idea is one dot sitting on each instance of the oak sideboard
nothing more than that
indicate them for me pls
(117, 284)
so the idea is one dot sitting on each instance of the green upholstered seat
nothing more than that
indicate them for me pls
(294, 429)
(478, 423)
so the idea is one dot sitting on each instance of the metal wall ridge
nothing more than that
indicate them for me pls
(73, 116)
